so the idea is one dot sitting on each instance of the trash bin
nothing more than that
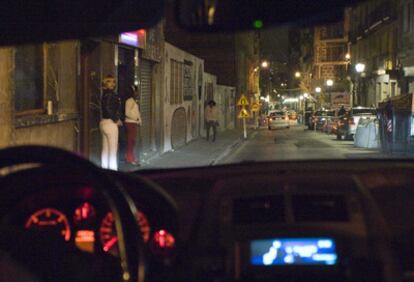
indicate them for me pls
(366, 135)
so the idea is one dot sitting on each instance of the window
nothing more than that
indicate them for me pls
(332, 31)
(209, 91)
(29, 84)
(407, 18)
(176, 82)
(333, 53)
(393, 88)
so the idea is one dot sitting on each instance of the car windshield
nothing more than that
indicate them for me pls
(164, 97)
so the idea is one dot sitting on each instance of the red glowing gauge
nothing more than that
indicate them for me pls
(164, 239)
(108, 235)
(162, 243)
(50, 220)
(85, 213)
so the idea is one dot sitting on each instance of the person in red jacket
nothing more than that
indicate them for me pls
(132, 121)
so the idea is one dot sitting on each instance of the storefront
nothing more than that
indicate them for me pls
(135, 67)
(129, 57)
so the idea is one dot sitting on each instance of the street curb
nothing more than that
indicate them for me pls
(227, 151)
(233, 146)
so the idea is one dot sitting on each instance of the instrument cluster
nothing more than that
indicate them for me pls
(86, 222)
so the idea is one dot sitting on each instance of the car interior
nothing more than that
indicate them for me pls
(65, 219)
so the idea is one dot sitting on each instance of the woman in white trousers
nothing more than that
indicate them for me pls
(111, 112)
(110, 133)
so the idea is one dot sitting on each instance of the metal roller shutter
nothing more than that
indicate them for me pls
(145, 104)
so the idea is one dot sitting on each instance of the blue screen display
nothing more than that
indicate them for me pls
(293, 251)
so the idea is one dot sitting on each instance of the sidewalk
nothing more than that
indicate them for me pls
(199, 152)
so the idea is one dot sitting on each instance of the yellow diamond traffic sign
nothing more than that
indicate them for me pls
(255, 107)
(243, 101)
(243, 114)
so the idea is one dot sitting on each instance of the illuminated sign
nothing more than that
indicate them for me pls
(133, 38)
(293, 251)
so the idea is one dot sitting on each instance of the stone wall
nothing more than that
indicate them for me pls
(6, 96)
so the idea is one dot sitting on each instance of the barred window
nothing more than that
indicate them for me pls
(29, 74)
(176, 82)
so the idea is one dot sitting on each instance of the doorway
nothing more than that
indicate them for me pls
(126, 74)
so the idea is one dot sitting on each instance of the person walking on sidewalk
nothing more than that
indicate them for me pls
(132, 121)
(211, 117)
(110, 120)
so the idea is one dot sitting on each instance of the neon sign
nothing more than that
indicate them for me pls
(133, 38)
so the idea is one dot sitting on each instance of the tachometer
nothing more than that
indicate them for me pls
(51, 220)
(108, 234)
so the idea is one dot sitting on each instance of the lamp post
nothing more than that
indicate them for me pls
(360, 68)
(305, 117)
(329, 84)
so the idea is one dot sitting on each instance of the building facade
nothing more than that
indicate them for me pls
(405, 65)
(51, 93)
(330, 61)
(373, 39)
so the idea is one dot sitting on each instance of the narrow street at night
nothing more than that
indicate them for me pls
(298, 143)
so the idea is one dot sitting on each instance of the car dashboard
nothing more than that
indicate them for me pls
(267, 221)
(294, 221)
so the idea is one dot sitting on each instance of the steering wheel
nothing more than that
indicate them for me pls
(130, 241)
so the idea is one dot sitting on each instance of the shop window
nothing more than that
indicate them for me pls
(209, 91)
(407, 18)
(29, 84)
(176, 82)
(393, 88)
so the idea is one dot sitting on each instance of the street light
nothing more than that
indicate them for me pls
(329, 83)
(348, 56)
(265, 64)
(297, 74)
(306, 95)
(360, 68)
(318, 89)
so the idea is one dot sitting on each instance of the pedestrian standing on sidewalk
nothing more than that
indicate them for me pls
(341, 111)
(132, 121)
(110, 120)
(211, 117)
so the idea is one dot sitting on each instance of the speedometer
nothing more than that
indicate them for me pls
(50, 220)
(108, 234)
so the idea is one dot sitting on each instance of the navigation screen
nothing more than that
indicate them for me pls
(293, 251)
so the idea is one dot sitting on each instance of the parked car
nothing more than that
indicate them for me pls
(348, 123)
(293, 115)
(321, 118)
(332, 125)
(277, 119)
